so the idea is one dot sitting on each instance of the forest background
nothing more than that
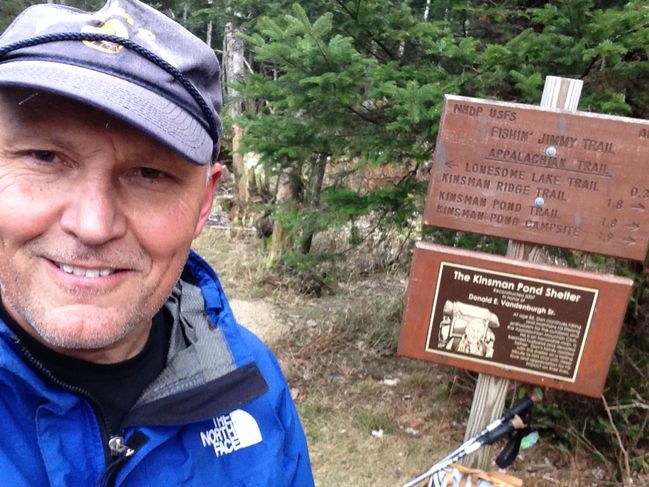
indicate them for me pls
(331, 116)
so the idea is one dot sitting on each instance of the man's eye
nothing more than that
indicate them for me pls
(149, 173)
(44, 155)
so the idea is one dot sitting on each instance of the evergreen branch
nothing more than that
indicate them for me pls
(354, 16)
(409, 175)
(365, 117)
(341, 175)
(358, 8)
(371, 35)
(615, 39)
(371, 231)
(322, 52)
(308, 28)
(402, 245)
(383, 212)
(590, 66)
(367, 50)
(630, 31)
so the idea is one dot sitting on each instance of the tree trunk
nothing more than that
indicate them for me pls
(239, 169)
(426, 10)
(210, 27)
(233, 69)
(208, 36)
(282, 239)
(313, 196)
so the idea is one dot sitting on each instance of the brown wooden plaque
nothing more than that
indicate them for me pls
(532, 323)
(567, 179)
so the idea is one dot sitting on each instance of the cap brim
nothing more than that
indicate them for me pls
(138, 106)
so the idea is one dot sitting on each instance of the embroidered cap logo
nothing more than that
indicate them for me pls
(116, 22)
(113, 25)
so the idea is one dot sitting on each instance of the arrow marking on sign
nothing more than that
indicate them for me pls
(629, 240)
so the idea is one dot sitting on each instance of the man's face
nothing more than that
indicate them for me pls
(95, 224)
(474, 330)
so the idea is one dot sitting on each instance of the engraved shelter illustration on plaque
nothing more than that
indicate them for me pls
(466, 328)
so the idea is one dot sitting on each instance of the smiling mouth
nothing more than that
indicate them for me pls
(84, 271)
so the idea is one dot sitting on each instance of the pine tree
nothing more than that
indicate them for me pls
(362, 84)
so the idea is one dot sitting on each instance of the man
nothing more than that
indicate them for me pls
(120, 360)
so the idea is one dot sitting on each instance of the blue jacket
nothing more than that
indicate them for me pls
(219, 414)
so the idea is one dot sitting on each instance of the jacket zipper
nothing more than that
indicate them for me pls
(120, 453)
(113, 446)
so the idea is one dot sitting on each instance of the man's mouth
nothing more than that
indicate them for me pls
(85, 272)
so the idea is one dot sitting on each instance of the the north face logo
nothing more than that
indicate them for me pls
(232, 432)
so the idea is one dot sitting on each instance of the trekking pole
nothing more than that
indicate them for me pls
(495, 430)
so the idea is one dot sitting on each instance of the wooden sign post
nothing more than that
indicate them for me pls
(491, 392)
(547, 175)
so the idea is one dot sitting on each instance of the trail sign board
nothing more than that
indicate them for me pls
(568, 179)
(528, 322)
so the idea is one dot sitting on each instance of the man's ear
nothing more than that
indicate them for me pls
(208, 197)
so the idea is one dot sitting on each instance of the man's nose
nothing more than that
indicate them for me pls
(93, 213)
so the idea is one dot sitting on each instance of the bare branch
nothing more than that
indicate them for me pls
(625, 454)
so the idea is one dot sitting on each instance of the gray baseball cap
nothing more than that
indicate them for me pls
(126, 59)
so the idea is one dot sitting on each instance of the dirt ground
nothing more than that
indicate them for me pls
(371, 418)
(260, 317)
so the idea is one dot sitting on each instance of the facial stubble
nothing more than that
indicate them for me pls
(96, 331)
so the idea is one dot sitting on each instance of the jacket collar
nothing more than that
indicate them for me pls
(202, 378)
